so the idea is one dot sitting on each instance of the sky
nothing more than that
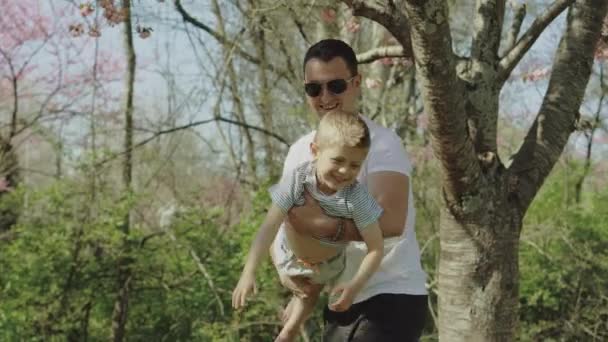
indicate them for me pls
(168, 51)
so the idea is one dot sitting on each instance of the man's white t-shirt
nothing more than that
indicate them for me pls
(400, 271)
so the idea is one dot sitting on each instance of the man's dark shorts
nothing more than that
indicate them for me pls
(384, 317)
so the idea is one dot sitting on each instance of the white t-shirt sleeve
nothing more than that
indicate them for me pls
(388, 154)
(290, 163)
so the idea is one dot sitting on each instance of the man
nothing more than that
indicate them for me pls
(392, 305)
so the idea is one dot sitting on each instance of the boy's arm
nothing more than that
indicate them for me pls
(389, 188)
(263, 239)
(372, 236)
(259, 248)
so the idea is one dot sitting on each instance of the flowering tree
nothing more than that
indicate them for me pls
(46, 77)
(485, 199)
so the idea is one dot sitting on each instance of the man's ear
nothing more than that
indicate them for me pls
(314, 149)
(357, 80)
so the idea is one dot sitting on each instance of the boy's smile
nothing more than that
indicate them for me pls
(337, 166)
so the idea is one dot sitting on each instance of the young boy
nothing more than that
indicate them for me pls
(340, 146)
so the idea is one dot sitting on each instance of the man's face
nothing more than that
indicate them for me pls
(317, 71)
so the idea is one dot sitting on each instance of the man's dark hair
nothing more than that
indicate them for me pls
(328, 49)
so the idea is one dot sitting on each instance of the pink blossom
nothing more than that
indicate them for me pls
(86, 9)
(600, 139)
(601, 54)
(76, 30)
(144, 32)
(4, 185)
(328, 15)
(94, 32)
(353, 25)
(601, 51)
(387, 61)
(406, 62)
(372, 83)
(536, 74)
(422, 121)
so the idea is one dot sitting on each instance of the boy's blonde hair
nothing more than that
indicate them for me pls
(343, 129)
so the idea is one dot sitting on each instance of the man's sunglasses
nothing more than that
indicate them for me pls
(338, 86)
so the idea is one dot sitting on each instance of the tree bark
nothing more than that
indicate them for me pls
(478, 272)
(484, 202)
(264, 101)
(121, 303)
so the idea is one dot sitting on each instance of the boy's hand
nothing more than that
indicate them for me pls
(244, 288)
(346, 293)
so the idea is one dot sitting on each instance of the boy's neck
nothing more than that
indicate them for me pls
(322, 187)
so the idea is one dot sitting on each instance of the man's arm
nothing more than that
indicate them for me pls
(389, 188)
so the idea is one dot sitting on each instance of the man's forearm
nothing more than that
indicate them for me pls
(351, 233)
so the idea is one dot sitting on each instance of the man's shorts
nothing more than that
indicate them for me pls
(319, 273)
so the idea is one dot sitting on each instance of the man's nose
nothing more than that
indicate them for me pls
(325, 93)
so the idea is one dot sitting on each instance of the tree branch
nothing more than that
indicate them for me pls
(518, 19)
(557, 116)
(515, 54)
(219, 37)
(157, 134)
(388, 15)
(381, 52)
(487, 27)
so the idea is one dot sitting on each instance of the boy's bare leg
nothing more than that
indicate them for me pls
(286, 312)
(300, 309)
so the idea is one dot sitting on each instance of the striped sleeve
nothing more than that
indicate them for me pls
(283, 194)
(365, 208)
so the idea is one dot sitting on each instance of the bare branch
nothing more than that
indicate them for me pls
(487, 27)
(518, 19)
(219, 37)
(381, 52)
(388, 15)
(514, 55)
(559, 112)
(157, 134)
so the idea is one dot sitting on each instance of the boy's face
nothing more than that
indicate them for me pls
(337, 166)
(318, 72)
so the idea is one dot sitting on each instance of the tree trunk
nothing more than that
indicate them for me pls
(121, 304)
(9, 177)
(264, 101)
(478, 272)
(484, 202)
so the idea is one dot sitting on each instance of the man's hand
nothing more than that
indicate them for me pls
(244, 288)
(309, 219)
